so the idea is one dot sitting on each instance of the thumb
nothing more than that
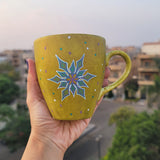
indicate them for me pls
(35, 101)
(34, 94)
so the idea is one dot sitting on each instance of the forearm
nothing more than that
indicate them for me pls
(38, 150)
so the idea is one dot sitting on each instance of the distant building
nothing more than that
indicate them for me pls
(146, 71)
(117, 65)
(3, 58)
(143, 66)
(14, 57)
(152, 48)
(17, 59)
(132, 51)
(147, 67)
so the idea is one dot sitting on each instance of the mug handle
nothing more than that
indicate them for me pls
(123, 76)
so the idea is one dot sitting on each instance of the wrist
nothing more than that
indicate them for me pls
(41, 149)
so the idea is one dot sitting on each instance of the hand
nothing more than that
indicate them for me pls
(44, 128)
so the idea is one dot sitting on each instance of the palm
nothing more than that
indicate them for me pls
(62, 133)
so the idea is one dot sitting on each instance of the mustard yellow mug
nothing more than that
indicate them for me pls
(70, 70)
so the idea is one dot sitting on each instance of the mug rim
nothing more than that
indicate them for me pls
(78, 34)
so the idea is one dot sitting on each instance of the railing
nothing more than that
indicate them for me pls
(146, 66)
(144, 79)
(145, 82)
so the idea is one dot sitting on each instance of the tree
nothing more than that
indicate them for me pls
(8, 89)
(110, 94)
(17, 127)
(121, 115)
(137, 138)
(154, 93)
(105, 157)
(131, 87)
(8, 70)
(157, 62)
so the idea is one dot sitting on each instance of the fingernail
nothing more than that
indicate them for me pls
(26, 61)
(109, 68)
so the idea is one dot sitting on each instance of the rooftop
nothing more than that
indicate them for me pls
(151, 43)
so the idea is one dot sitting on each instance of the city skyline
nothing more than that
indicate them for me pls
(121, 23)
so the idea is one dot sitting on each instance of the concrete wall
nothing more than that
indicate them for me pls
(151, 49)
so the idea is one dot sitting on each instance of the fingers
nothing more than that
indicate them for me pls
(106, 75)
(107, 72)
(105, 83)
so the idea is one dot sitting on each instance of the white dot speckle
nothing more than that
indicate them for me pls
(87, 48)
(88, 109)
(102, 64)
(69, 37)
(94, 89)
(40, 70)
(54, 100)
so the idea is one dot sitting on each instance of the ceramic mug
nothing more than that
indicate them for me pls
(70, 70)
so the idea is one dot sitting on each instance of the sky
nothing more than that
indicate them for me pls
(120, 22)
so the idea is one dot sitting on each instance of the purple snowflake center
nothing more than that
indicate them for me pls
(72, 79)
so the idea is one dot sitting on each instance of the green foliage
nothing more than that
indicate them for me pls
(8, 70)
(105, 157)
(156, 87)
(8, 90)
(154, 93)
(131, 87)
(121, 115)
(110, 94)
(157, 62)
(6, 113)
(137, 138)
(17, 129)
